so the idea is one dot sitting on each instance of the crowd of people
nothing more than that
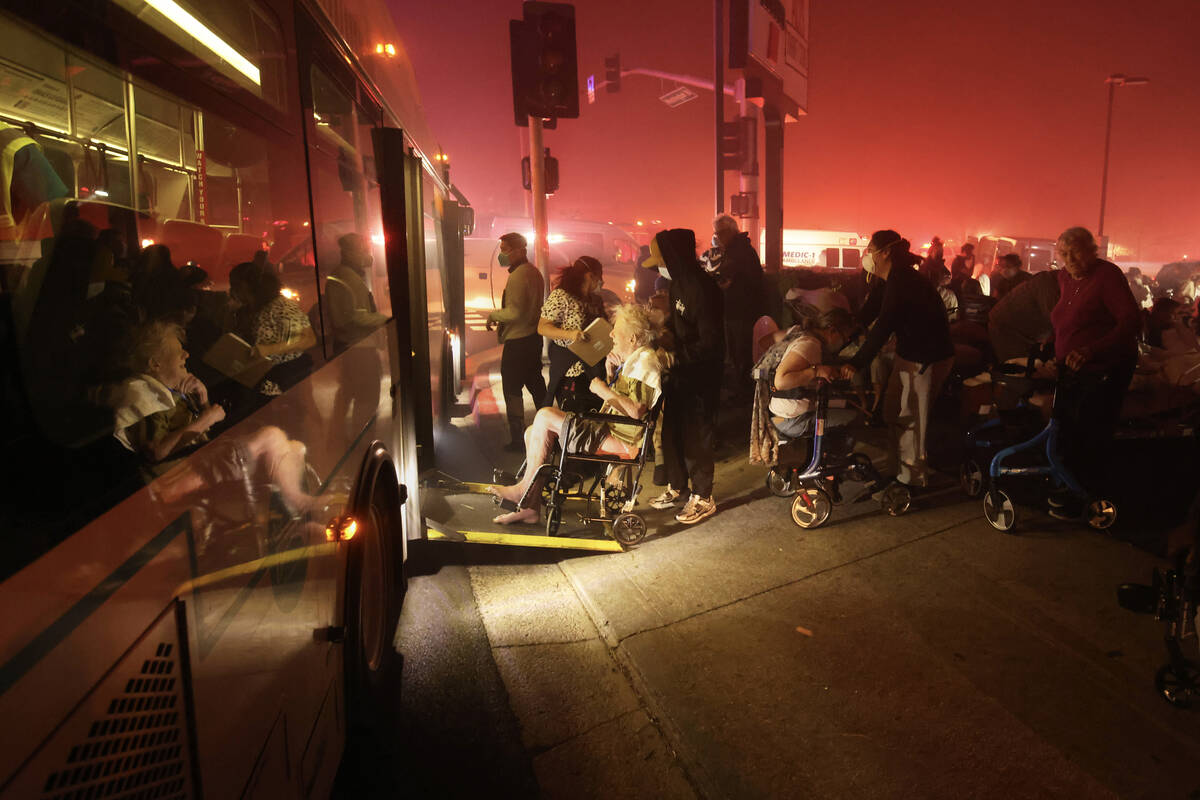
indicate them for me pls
(104, 334)
(899, 338)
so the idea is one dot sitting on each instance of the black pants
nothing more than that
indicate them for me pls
(521, 368)
(1088, 408)
(739, 344)
(689, 422)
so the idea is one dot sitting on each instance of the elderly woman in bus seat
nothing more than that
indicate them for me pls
(162, 412)
(634, 391)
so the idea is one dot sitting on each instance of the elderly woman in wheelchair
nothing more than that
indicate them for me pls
(615, 435)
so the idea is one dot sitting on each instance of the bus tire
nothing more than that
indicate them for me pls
(375, 587)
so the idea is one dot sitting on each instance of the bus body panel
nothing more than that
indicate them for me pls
(257, 580)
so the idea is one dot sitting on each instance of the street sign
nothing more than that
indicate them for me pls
(591, 88)
(678, 96)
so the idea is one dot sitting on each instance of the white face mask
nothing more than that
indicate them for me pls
(868, 262)
(662, 270)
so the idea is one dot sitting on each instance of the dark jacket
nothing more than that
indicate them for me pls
(741, 266)
(697, 318)
(912, 309)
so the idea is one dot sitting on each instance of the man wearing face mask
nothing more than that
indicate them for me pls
(740, 277)
(694, 390)
(517, 318)
(910, 308)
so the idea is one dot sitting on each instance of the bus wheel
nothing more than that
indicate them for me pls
(375, 587)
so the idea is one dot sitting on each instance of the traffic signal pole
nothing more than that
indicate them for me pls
(537, 188)
(718, 87)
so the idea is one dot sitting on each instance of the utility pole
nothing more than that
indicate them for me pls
(718, 86)
(537, 184)
(1113, 81)
(748, 184)
(1112, 86)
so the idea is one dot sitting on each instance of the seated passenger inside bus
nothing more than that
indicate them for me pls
(635, 369)
(161, 409)
(163, 412)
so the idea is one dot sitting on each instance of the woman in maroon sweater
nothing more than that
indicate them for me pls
(1096, 325)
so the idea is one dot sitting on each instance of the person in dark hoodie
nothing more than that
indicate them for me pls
(740, 277)
(912, 309)
(694, 389)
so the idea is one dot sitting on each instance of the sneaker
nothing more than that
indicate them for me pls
(1067, 513)
(697, 508)
(668, 499)
(1059, 499)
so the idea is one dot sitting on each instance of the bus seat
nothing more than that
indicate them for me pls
(239, 247)
(194, 241)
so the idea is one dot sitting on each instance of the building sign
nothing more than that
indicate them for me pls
(777, 47)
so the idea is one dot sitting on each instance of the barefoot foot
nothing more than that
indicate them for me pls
(509, 494)
(528, 516)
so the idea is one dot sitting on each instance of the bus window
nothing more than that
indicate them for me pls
(126, 332)
(851, 258)
(348, 227)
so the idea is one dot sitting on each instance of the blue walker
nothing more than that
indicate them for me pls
(998, 506)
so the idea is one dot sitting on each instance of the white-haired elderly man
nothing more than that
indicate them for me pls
(740, 277)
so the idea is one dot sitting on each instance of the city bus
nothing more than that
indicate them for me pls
(228, 260)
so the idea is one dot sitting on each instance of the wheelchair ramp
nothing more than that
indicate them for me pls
(462, 511)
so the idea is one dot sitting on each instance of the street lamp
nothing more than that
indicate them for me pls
(1113, 82)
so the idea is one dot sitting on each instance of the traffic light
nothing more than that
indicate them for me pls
(739, 145)
(612, 73)
(551, 173)
(545, 72)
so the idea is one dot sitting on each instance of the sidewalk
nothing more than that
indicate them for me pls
(919, 656)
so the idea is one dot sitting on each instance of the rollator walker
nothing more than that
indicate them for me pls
(815, 484)
(1048, 467)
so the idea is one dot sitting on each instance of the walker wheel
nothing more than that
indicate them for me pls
(553, 519)
(778, 485)
(628, 529)
(896, 499)
(970, 479)
(1178, 685)
(1101, 514)
(811, 507)
(999, 509)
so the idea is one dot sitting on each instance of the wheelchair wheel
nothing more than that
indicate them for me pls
(778, 485)
(1101, 514)
(970, 479)
(1178, 685)
(553, 520)
(999, 510)
(811, 507)
(629, 529)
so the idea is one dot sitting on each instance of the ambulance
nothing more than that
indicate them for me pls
(804, 247)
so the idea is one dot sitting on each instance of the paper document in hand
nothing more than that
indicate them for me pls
(231, 356)
(596, 344)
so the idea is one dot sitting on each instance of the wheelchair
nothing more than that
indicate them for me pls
(576, 475)
(812, 470)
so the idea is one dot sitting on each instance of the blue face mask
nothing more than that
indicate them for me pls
(502, 259)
